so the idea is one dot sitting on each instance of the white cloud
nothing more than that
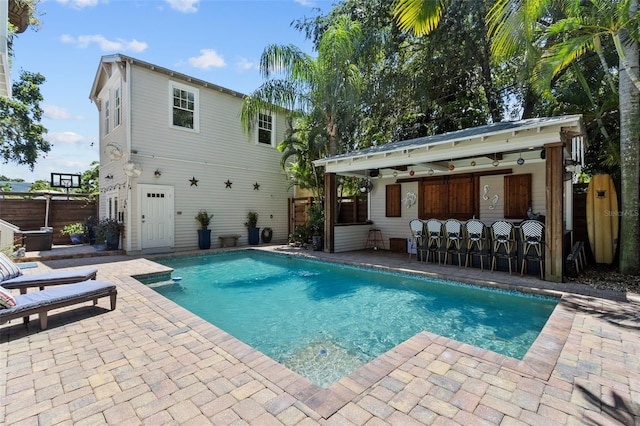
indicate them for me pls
(185, 6)
(55, 112)
(306, 3)
(78, 4)
(66, 138)
(243, 64)
(105, 45)
(208, 58)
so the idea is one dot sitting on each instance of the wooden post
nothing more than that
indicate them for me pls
(330, 210)
(554, 223)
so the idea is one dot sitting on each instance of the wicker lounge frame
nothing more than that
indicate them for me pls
(43, 301)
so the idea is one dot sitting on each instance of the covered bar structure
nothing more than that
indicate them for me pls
(507, 171)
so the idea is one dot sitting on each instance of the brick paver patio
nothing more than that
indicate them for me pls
(152, 362)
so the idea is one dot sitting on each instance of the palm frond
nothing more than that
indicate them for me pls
(559, 56)
(419, 16)
(513, 25)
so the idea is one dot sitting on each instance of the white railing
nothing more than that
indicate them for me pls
(7, 231)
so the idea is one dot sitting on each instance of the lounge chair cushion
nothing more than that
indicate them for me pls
(57, 294)
(43, 301)
(6, 299)
(8, 269)
(50, 278)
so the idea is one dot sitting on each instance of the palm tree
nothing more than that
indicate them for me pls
(326, 87)
(300, 148)
(586, 23)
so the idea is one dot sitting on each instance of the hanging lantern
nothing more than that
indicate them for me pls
(451, 167)
(411, 173)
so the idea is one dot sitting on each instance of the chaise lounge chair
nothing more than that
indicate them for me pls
(11, 276)
(41, 302)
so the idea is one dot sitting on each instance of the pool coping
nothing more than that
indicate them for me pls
(538, 362)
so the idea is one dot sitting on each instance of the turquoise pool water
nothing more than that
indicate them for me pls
(324, 320)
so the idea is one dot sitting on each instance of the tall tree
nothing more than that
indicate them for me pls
(21, 134)
(326, 87)
(586, 22)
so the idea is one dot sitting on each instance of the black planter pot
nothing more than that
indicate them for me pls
(254, 236)
(204, 238)
(317, 242)
(92, 236)
(113, 241)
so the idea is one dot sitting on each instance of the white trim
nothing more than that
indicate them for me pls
(141, 189)
(196, 106)
(272, 130)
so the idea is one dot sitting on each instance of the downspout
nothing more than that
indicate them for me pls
(128, 212)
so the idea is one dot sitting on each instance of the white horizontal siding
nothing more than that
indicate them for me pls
(496, 187)
(220, 151)
(392, 227)
(350, 237)
(398, 227)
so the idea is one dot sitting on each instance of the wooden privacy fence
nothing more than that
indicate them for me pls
(350, 210)
(28, 210)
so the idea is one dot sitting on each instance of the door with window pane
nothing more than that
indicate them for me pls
(156, 216)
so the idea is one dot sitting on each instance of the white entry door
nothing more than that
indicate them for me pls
(156, 215)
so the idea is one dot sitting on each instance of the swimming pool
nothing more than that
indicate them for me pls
(324, 320)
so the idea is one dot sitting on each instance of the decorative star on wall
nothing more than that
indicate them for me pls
(228, 184)
(256, 186)
(194, 181)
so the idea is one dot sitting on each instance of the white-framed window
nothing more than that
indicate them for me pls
(117, 102)
(265, 129)
(112, 204)
(184, 106)
(107, 127)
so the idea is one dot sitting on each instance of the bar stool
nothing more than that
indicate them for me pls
(503, 237)
(476, 234)
(453, 237)
(434, 237)
(373, 238)
(532, 232)
(416, 226)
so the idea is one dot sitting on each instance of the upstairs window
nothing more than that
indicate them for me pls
(184, 107)
(265, 129)
(117, 114)
(106, 117)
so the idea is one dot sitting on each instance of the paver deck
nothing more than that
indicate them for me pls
(152, 362)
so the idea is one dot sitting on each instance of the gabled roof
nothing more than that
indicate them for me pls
(490, 139)
(106, 61)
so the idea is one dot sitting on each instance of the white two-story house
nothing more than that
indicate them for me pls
(172, 145)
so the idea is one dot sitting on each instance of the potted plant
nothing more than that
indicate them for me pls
(315, 223)
(75, 231)
(254, 231)
(91, 228)
(109, 231)
(204, 233)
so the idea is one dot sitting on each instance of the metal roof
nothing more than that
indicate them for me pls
(480, 133)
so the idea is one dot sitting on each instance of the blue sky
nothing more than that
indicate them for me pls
(214, 40)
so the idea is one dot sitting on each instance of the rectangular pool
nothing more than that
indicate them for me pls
(324, 320)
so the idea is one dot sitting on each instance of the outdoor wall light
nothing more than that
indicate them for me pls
(520, 160)
(430, 172)
(157, 173)
(395, 173)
